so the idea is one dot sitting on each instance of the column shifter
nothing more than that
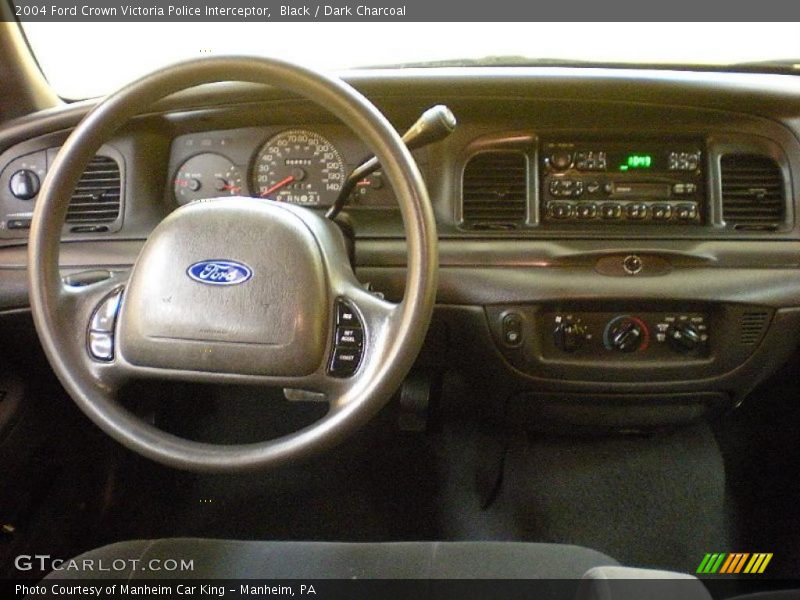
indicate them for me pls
(433, 125)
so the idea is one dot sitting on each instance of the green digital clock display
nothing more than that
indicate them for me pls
(636, 161)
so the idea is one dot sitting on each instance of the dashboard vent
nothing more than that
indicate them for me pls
(752, 191)
(495, 190)
(752, 327)
(96, 198)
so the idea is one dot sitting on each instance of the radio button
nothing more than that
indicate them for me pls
(686, 212)
(592, 187)
(561, 210)
(684, 189)
(637, 211)
(586, 211)
(610, 211)
(590, 161)
(683, 161)
(566, 188)
(662, 212)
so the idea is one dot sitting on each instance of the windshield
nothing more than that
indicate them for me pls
(90, 59)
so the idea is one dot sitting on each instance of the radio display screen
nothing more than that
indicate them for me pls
(636, 161)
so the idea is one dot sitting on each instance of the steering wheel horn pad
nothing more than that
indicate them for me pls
(273, 322)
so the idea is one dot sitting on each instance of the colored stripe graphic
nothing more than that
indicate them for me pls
(734, 562)
(711, 563)
(758, 563)
(726, 566)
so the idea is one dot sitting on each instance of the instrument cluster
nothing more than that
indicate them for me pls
(297, 165)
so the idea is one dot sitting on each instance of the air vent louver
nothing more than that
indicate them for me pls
(752, 327)
(96, 198)
(752, 191)
(495, 190)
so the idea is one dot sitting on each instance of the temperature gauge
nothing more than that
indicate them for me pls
(207, 176)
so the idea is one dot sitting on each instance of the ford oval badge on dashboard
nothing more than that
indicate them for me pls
(219, 272)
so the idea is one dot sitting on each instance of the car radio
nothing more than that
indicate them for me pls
(637, 182)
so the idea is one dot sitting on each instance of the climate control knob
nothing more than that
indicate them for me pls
(683, 337)
(625, 334)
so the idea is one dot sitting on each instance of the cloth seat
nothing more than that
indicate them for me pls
(234, 559)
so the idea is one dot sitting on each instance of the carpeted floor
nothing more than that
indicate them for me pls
(658, 501)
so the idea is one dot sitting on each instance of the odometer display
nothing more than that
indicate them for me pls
(300, 167)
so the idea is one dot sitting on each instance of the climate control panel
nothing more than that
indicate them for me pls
(657, 335)
(644, 342)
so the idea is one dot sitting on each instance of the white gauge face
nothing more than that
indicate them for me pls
(299, 166)
(207, 176)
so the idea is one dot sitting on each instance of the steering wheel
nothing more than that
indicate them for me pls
(233, 290)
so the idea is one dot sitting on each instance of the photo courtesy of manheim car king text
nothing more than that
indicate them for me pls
(399, 299)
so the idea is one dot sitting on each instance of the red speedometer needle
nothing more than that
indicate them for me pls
(278, 186)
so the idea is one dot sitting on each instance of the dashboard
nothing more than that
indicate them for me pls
(615, 245)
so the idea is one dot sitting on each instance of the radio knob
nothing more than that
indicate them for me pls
(625, 335)
(561, 160)
(683, 337)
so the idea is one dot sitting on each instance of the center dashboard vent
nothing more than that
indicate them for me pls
(753, 194)
(495, 190)
(96, 198)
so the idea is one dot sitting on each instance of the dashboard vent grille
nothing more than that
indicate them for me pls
(495, 190)
(96, 198)
(752, 191)
(752, 327)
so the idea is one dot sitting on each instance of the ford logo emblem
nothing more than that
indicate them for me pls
(219, 272)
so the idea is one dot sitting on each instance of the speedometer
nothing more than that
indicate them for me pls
(299, 166)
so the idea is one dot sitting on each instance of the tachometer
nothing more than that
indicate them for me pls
(207, 175)
(299, 166)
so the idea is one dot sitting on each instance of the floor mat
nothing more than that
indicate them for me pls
(655, 501)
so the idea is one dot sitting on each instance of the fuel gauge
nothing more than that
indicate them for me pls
(207, 175)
